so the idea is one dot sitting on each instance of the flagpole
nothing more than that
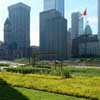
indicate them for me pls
(86, 37)
(85, 19)
(86, 34)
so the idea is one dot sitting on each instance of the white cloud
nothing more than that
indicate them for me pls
(93, 20)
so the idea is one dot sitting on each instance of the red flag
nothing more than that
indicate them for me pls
(84, 13)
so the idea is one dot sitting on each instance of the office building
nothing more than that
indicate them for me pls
(53, 33)
(7, 32)
(58, 5)
(86, 45)
(99, 19)
(19, 16)
(76, 24)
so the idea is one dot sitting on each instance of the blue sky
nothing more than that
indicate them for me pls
(37, 7)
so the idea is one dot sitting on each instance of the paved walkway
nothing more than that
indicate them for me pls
(12, 64)
(86, 67)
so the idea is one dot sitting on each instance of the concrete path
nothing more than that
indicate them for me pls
(86, 67)
(12, 64)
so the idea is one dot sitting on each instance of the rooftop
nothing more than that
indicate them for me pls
(20, 4)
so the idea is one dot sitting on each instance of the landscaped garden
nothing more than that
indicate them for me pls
(47, 81)
(77, 86)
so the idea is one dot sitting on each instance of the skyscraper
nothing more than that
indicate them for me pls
(7, 32)
(19, 16)
(99, 19)
(76, 24)
(58, 5)
(81, 25)
(53, 33)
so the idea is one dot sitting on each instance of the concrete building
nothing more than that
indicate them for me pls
(53, 33)
(58, 5)
(76, 24)
(19, 16)
(89, 47)
(86, 45)
(69, 44)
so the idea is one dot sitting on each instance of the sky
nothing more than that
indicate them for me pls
(37, 7)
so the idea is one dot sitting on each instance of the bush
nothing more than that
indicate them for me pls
(6, 65)
(43, 66)
(88, 87)
(67, 74)
(29, 70)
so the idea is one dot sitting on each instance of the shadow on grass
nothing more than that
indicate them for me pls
(9, 93)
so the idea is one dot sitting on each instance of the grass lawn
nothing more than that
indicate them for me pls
(28, 69)
(82, 71)
(85, 86)
(9, 93)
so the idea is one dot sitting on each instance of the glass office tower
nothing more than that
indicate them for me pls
(54, 4)
(19, 15)
(99, 19)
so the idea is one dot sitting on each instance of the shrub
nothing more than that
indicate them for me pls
(6, 65)
(67, 74)
(29, 70)
(88, 87)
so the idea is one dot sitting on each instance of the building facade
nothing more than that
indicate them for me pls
(17, 32)
(90, 46)
(19, 16)
(58, 5)
(88, 30)
(86, 45)
(69, 44)
(99, 19)
(76, 24)
(53, 33)
(7, 32)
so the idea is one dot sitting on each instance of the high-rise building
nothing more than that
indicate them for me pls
(76, 24)
(99, 19)
(19, 16)
(58, 5)
(88, 30)
(81, 25)
(86, 45)
(7, 32)
(53, 33)
(69, 43)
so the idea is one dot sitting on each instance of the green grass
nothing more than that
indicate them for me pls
(10, 93)
(66, 68)
(28, 69)
(82, 71)
(82, 86)
(38, 95)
